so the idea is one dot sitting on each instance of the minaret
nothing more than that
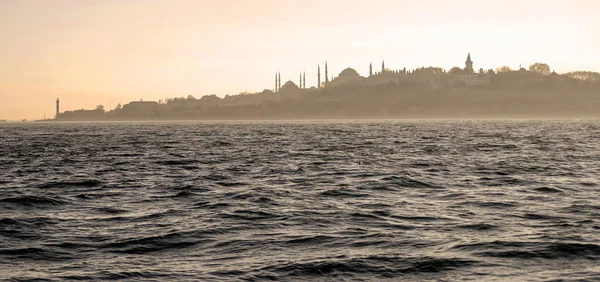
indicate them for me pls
(370, 69)
(304, 80)
(276, 88)
(319, 77)
(300, 82)
(469, 65)
(382, 66)
(326, 75)
(279, 82)
(57, 108)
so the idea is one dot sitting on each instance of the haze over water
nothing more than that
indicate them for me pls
(388, 200)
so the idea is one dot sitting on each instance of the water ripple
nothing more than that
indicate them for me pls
(302, 201)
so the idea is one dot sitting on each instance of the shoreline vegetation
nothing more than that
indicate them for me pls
(426, 93)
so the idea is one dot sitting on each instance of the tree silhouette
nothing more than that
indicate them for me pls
(584, 75)
(540, 68)
(456, 70)
(503, 69)
(430, 70)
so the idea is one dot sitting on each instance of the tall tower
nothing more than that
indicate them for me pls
(319, 77)
(326, 75)
(276, 88)
(382, 66)
(57, 108)
(304, 80)
(300, 82)
(469, 65)
(279, 82)
(370, 69)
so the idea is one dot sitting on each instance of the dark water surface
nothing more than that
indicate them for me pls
(478, 200)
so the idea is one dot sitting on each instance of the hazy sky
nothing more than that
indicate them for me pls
(90, 52)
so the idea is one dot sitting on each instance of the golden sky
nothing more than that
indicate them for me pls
(91, 52)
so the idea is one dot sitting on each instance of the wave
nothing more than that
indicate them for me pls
(210, 205)
(176, 240)
(184, 194)
(344, 193)
(177, 162)
(122, 275)
(548, 190)
(419, 218)
(492, 204)
(310, 240)
(478, 226)
(249, 215)
(231, 184)
(373, 267)
(111, 210)
(553, 251)
(402, 181)
(68, 184)
(13, 222)
(31, 200)
(531, 250)
(535, 216)
(42, 254)
(20, 229)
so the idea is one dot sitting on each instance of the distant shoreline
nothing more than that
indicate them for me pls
(515, 96)
(326, 119)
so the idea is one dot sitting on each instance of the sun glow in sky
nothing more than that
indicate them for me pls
(114, 51)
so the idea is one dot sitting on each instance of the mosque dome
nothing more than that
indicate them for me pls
(289, 86)
(349, 73)
(347, 76)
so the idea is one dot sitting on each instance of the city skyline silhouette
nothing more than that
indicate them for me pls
(93, 53)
